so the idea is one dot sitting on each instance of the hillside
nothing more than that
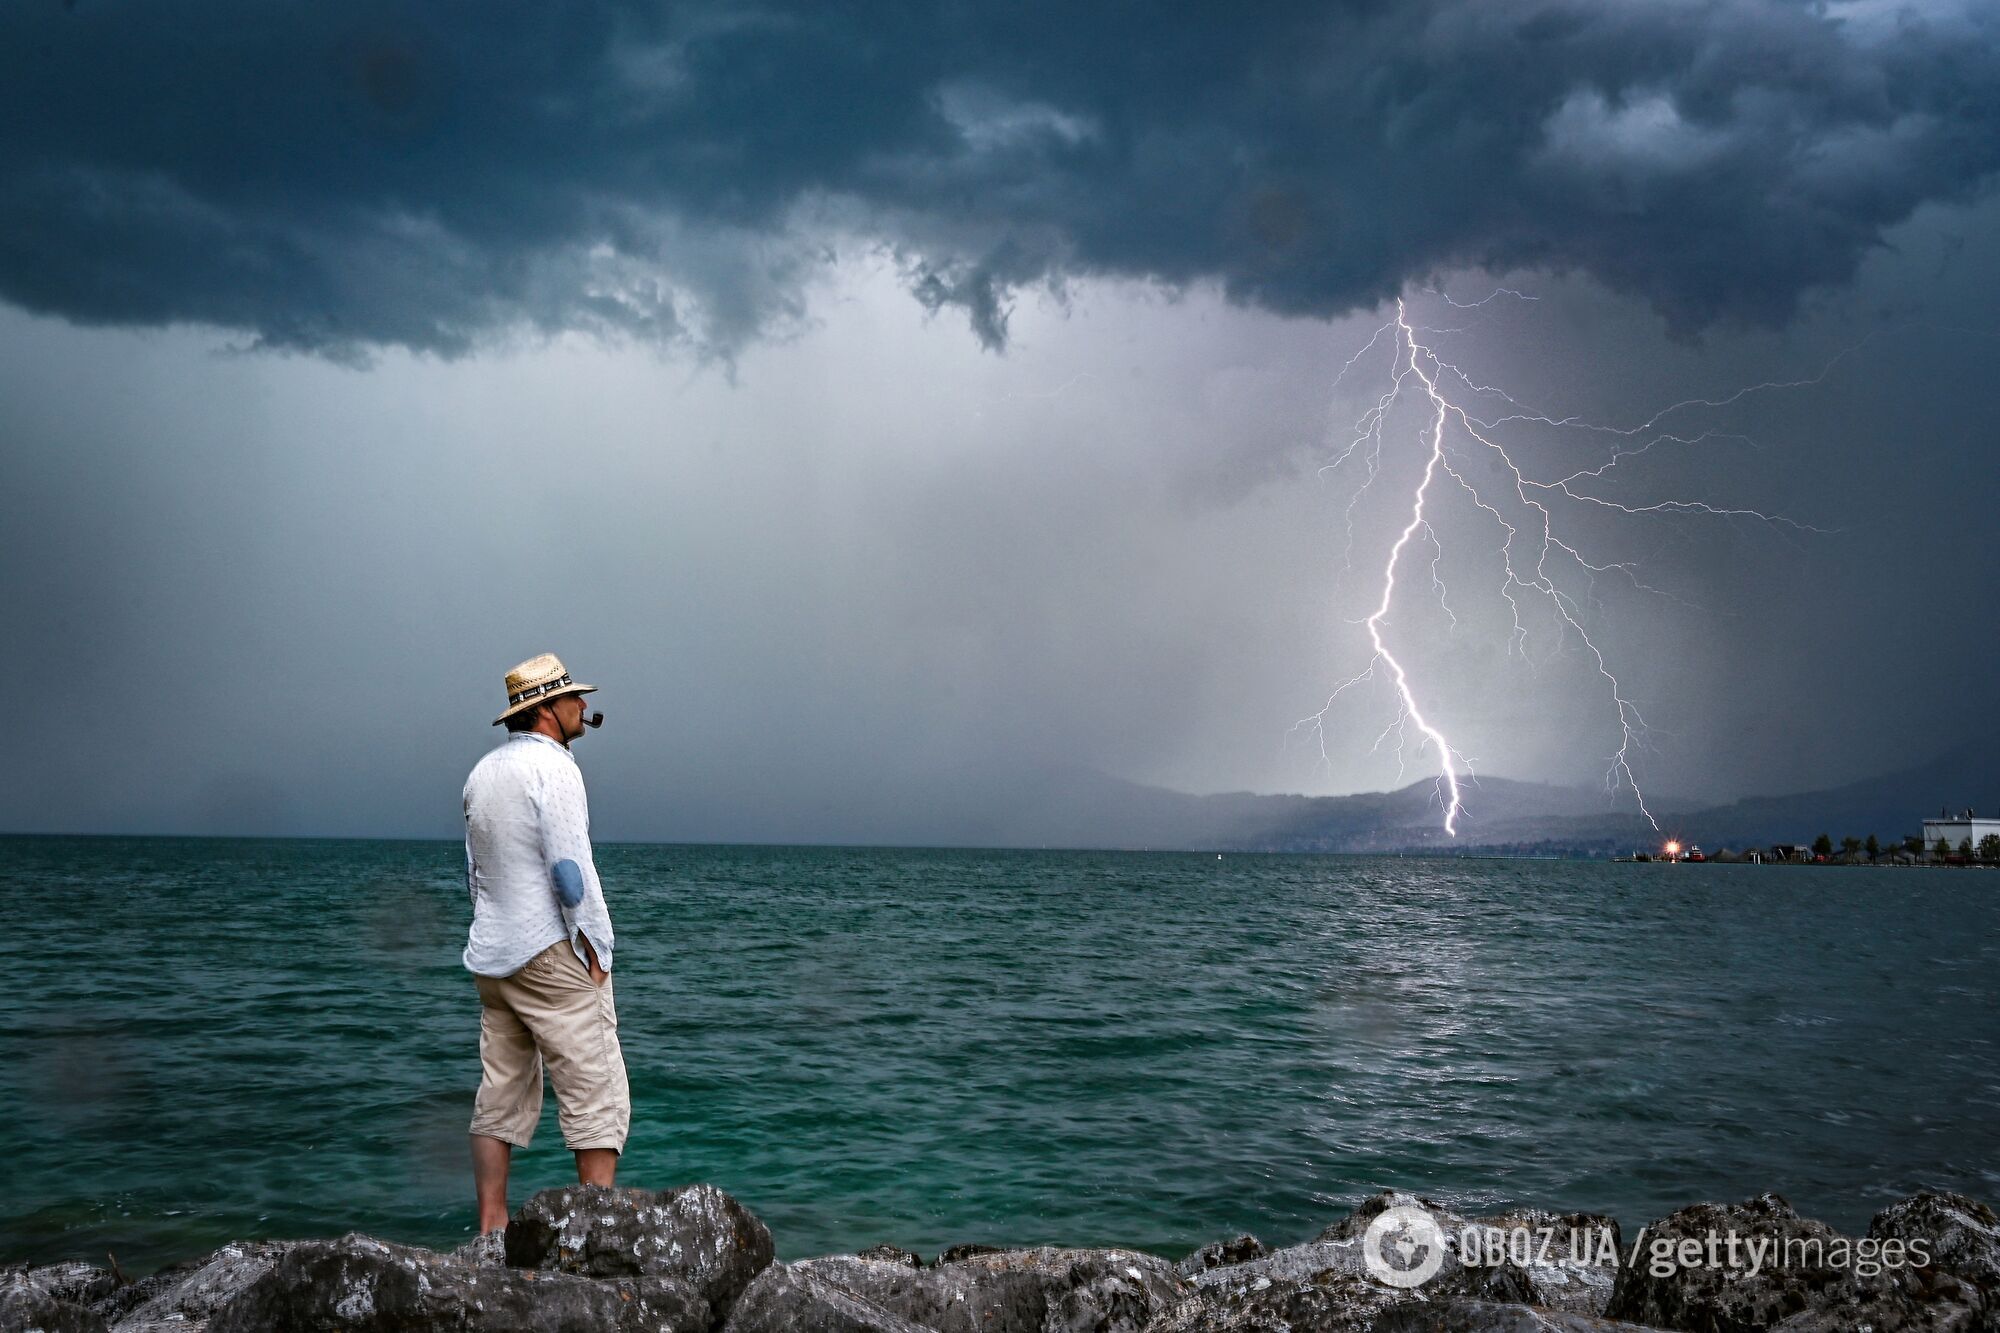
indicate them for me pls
(1083, 809)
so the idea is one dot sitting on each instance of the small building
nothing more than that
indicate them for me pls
(1955, 829)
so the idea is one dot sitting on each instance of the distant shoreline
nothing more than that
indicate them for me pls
(1572, 854)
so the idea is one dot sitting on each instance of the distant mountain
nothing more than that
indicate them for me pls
(1080, 808)
(1087, 809)
(1889, 806)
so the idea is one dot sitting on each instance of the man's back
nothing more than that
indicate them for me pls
(525, 816)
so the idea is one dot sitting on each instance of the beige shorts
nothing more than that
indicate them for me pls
(551, 1013)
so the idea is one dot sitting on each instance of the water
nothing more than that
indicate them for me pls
(204, 1040)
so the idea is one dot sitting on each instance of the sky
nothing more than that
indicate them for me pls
(891, 411)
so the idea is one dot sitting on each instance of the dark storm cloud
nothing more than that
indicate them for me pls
(331, 177)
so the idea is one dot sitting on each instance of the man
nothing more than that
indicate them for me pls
(540, 947)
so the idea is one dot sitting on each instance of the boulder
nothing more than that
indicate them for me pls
(693, 1260)
(695, 1233)
(1221, 1254)
(26, 1306)
(1324, 1285)
(1084, 1291)
(132, 1295)
(1489, 1317)
(1327, 1302)
(922, 1295)
(488, 1250)
(358, 1284)
(892, 1254)
(1356, 1222)
(783, 1299)
(1570, 1259)
(139, 1291)
(954, 1253)
(72, 1281)
(1807, 1279)
(1014, 1291)
(187, 1294)
(1568, 1272)
(1960, 1236)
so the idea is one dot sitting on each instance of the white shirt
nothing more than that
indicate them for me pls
(524, 811)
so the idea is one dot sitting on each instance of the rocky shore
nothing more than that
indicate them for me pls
(693, 1260)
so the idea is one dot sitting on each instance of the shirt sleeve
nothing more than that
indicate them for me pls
(565, 819)
(471, 881)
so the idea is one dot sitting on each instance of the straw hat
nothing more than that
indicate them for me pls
(536, 680)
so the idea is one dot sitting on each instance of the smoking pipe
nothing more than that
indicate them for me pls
(594, 720)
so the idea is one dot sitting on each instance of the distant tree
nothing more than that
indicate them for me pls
(1989, 847)
(1822, 846)
(1849, 846)
(1873, 847)
(1965, 847)
(1914, 845)
(1940, 849)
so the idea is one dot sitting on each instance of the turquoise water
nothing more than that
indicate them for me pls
(203, 1040)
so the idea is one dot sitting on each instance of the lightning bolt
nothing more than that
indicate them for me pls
(1432, 736)
(1536, 561)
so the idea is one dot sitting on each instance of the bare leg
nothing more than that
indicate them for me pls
(596, 1166)
(490, 1157)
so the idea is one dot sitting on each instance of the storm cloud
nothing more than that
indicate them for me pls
(341, 178)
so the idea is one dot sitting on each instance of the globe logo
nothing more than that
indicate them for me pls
(1403, 1246)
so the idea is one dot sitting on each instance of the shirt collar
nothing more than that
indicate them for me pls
(546, 740)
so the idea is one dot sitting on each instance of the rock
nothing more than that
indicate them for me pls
(693, 1260)
(1356, 1222)
(72, 1281)
(187, 1294)
(1324, 1285)
(1085, 1291)
(1221, 1254)
(1788, 1272)
(892, 1254)
(925, 1296)
(1488, 1317)
(957, 1252)
(783, 1299)
(130, 1297)
(1959, 1235)
(1333, 1300)
(1338, 1250)
(1571, 1258)
(487, 1250)
(358, 1284)
(1014, 1291)
(695, 1233)
(1292, 1263)
(1328, 1302)
(26, 1307)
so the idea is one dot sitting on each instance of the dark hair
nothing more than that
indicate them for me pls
(525, 719)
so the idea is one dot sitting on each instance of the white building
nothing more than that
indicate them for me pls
(1955, 829)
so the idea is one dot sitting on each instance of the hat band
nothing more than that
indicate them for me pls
(537, 691)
